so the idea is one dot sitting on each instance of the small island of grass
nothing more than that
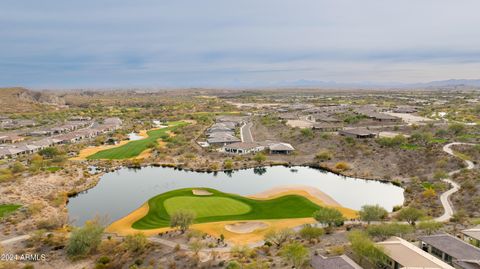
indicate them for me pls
(7, 209)
(222, 206)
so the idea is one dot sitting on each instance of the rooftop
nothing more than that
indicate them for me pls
(473, 232)
(358, 131)
(338, 262)
(242, 145)
(411, 256)
(453, 246)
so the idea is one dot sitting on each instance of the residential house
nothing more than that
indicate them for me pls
(472, 236)
(243, 148)
(358, 133)
(452, 250)
(402, 254)
(323, 118)
(337, 262)
(281, 148)
(377, 116)
(11, 138)
(222, 139)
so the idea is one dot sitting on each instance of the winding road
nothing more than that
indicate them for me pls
(445, 197)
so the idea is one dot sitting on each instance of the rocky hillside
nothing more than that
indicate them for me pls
(18, 100)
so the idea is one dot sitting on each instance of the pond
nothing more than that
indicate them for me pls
(119, 193)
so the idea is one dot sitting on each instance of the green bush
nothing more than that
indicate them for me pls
(364, 247)
(386, 230)
(309, 232)
(85, 240)
(136, 242)
(323, 155)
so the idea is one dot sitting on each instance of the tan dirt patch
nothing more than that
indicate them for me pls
(299, 123)
(245, 227)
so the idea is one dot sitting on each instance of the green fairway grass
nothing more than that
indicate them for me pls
(134, 148)
(5, 209)
(222, 206)
(206, 206)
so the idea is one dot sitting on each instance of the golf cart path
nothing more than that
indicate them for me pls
(445, 197)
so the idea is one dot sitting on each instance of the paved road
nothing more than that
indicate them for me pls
(245, 133)
(445, 197)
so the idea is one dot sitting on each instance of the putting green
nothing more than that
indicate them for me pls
(206, 206)
(222, 206)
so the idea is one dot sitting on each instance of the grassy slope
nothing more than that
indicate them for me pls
(289, 206)
(134, 148)
(5, 209)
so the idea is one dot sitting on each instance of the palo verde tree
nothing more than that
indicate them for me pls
(182, 219)
(329, 217)
(410, 215)
(371, 213)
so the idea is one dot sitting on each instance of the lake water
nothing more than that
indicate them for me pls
(134, 136)
(119, 193)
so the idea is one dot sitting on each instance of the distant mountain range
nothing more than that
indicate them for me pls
(334, 84)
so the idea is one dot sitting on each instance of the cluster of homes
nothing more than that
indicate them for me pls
(12, 146)
(440, 251)
(222, 132)
(8, 123)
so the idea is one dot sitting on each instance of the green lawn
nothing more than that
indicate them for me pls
(134, 148)
(5, 209)
(222, 206)
(206, 206)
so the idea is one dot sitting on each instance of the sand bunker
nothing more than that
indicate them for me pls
(246, 227)
(201, 192)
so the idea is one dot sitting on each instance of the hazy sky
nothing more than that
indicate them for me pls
(93, 43)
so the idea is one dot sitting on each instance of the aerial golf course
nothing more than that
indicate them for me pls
(220, 206)
(134, 148)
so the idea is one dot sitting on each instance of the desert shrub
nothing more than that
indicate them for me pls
(85, 240)
(386, 230)
(136, 242)
(5, 175)
(279, 237)
(429, 227)
(364, 247)
(342, 166)
(259, 157)
(323, 155)
(17, 167)
(228, 164)
(310, 232)
(307, 132)
(295, 253)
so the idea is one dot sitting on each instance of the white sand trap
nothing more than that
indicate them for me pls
(245, 227)
(201, 192)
